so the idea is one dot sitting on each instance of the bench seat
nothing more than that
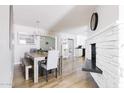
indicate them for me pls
(26, 63)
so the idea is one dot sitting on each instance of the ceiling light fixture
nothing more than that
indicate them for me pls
(37, 32)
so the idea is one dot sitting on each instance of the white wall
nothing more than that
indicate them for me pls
(107, 15)
(5, 58)
(19, 49)
(81, 40)
(106, 39)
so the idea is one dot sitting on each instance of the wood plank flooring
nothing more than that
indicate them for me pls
(72, 77)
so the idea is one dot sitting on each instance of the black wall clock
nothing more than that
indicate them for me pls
(94, 21)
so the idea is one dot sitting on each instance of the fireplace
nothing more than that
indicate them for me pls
(93, 55)
(90, 64)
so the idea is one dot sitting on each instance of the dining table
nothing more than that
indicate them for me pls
(39, 57)
(36, 57)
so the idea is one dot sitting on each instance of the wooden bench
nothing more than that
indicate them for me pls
(26, 64)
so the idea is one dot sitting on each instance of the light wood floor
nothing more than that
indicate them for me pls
(72, 77)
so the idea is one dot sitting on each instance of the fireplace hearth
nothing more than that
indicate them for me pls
(90, 64)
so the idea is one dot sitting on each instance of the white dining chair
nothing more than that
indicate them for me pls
(51, 62)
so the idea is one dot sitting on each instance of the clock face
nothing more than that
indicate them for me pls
(94, 21)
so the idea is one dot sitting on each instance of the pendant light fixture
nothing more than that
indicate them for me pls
(37, 33)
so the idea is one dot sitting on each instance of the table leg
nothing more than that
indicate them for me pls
(35, 70)
(59, 68)
(61, 65)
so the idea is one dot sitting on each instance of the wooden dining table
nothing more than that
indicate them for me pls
(36, 57)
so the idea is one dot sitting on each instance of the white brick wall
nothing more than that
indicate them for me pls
(106, 55)
(121, 54)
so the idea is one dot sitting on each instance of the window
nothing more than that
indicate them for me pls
(26, 39)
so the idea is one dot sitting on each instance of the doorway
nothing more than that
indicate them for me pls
(70, 48)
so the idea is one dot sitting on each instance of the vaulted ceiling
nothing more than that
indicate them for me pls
(48, 15)
(79, 16)
(53, 17)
